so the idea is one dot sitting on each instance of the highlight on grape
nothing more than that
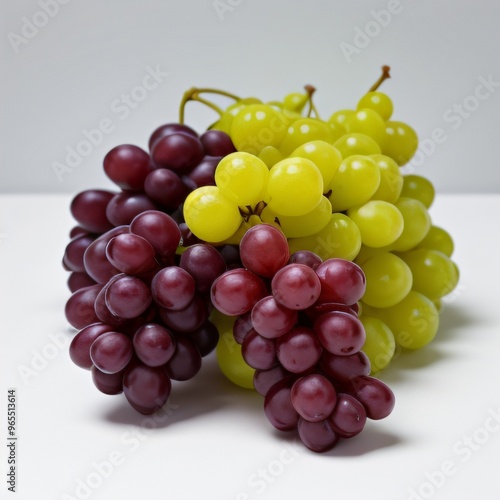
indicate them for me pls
(293, 248)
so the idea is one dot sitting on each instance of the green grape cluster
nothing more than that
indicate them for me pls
(335, 188)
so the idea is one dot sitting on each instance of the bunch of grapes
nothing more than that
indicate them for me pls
(292, 245)
(141, 308)
(295, 318)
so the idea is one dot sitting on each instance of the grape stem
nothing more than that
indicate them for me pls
(247, 211)
(193, 94)
(310, 89)
(384, 76)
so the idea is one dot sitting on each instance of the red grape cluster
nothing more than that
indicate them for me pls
(141, 309)
(298, 327)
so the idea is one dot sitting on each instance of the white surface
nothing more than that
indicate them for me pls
(216, 443)
(71, 73)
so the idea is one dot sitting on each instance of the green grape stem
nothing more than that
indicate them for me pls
(193, 94)
(310, 89)
(384, 76)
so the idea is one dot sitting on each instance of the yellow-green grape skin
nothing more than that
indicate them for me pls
(366, 252)
(380, 222)
(295, 102)
(379, 345)
(366, 121)
(388, 280)
(379, 102)
(354, 182)
(225, 121)
(302, 225)
(339, 118)
(434, 274)
(323, 154)
(340, 238)
(439, 239)
(391, 180)
(256, 126)
(302, 131)
(242, 177)
(210, 215)
(295, 187)
(417, 223)
(418, 188)
(270, 156)
(414, 321)
(228, 352)
(400, 142)
(357, 144)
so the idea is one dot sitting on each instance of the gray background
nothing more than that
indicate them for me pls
(67, 75)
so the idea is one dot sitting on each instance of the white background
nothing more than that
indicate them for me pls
(216, 440)
(66, 77)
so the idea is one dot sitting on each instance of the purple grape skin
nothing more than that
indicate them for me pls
(205, 338)
(111, 352)
(376, 397)
(89, 210)
(263, 380)
(278, 406)
(178, 151)
(107, 383)
(343, 368)
(166, 188)
(258, 352)
(204, 263)
(124, 206)
(146, 388)
(217, 143)
(102, 310)
(192, 317)
(167, 129)
(173, 288)
(271, 319)
(79, 308)
(242, 327)
(79, 280)
(317, 436)
(127, 297)
(131, 254)
(186, 361)
(154, 345)
(204, 173)
(127, 166)
(307, 258)
(97, 265)
(74, 251)
(348, 417)
(79, 348)
(314, 397)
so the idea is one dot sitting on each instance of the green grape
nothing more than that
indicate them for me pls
(400, 142)
(242, 178)
(388, 280)
(417, 223)
(366, 121)
(210, 215)
(379, 345)
(339, 118)
(379, 102)
(256, 126)
(356, 144)
(438, 239)
(414, 321)
(434, 274)
(324, 155)
(366, 252)
(339, 238)
(295, 102)
(225, 121)
(380, 222)
(301, 225)
(418, 188)
(354, 182)
(391, 180)
(270, 155)
(336, 130)
(295, 187)
(305, 130)
(228, 353)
